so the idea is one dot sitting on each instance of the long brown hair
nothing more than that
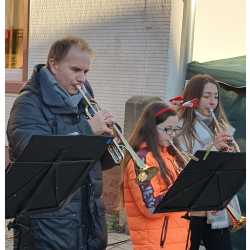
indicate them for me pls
(145, 132)
(194, 89)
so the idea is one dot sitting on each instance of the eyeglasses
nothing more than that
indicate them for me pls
(169, 131)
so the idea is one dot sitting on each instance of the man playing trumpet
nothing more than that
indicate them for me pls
(50, 104)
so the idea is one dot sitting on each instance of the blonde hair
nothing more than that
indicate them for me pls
(60, 48)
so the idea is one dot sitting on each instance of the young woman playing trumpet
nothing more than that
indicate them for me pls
(200, 131)
(151, 139)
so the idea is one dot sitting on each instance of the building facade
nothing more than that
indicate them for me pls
(130, 39)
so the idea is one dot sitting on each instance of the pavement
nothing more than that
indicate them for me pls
(113, 239)
(125, 243)
(116, 241)
(8, 238)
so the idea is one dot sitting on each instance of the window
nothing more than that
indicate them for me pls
(16, 43)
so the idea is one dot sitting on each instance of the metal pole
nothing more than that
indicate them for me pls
(187, 37)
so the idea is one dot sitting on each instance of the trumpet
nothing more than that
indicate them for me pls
(115, 150)
(143, 171)
(185, 156)
(238, 221)
(219, 127)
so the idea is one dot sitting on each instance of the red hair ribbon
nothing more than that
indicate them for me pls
(162, 111)
(177, 98)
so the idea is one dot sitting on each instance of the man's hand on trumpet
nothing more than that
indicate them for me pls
(100, 123)
(108, 118)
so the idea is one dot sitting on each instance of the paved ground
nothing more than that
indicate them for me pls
(8, 238)
(117, 237)
(112, 238)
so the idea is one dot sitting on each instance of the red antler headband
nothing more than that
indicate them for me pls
(177, 98)
(191, 104)
(162, 111)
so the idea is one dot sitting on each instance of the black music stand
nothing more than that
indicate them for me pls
(50, 169)
(207, 184)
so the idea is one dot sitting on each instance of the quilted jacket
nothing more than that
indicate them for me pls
(148, 230)
(80, 224)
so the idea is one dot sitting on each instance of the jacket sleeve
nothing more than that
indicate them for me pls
(26, 119)
(147, 195)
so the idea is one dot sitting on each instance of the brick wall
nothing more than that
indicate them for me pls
(130, 37)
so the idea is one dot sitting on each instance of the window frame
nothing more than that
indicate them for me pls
(14, 86)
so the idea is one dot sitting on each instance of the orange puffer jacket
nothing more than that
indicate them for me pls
(147, 229)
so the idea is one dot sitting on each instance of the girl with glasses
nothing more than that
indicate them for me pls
(150, 139)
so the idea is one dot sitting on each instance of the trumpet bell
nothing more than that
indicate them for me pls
(238, 224)
(146, 174)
